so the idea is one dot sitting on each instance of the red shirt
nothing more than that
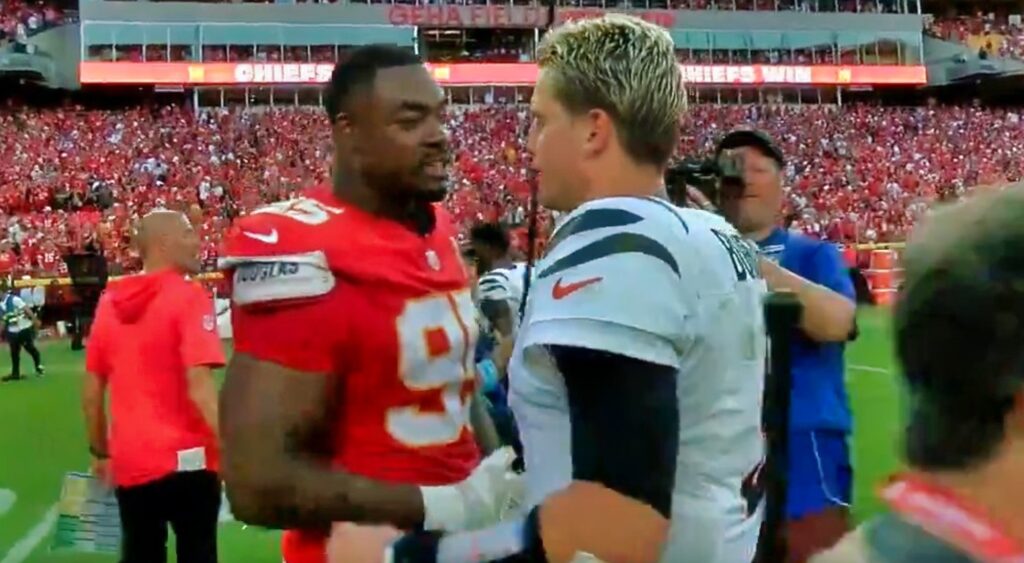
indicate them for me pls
(149, 330)
(389, 313)
(7, 261)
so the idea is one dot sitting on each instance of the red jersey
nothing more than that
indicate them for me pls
(7, 261)
(48, 261)
(322, 287)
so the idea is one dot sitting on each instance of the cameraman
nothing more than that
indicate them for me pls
(819, 473)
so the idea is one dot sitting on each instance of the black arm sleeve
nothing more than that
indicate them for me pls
(625, 423)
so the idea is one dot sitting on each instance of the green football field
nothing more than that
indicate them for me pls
(42, 438)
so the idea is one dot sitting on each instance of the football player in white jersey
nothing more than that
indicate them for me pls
(499, 289)
(638, 369)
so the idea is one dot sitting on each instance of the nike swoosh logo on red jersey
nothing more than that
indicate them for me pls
(269, 238)
(561, 291)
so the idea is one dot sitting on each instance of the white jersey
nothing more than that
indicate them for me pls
(677, 287)
(504, 284)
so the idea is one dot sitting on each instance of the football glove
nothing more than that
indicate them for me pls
(477, 502)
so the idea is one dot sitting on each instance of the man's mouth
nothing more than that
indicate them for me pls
(435, 165)
(435, 168)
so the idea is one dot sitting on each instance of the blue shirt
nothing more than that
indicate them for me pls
(819, 400)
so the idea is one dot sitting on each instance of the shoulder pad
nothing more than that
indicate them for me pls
(616, 226)
(494, 285)
(279, 278)
(286, 227)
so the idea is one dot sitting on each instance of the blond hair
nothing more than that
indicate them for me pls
(626, 67)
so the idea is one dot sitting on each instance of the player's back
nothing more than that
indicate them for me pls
(700, 309)
(505, 284)
(720, 389)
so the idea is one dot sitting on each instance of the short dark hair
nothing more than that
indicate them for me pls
(494, 235)
(959, 327)
(359, 69)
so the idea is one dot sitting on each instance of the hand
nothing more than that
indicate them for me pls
(477, 502)
(698, 200)
(101, 469)
(350, 543)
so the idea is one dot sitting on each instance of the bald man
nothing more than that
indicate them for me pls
(154, 344)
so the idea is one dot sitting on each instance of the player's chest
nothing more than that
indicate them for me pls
(398, 328)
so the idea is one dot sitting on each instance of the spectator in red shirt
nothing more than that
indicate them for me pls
(8, 259)
(154, 344)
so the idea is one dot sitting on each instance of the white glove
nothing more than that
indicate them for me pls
(477, 502)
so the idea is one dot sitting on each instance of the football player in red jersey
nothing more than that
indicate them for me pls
(349, 394)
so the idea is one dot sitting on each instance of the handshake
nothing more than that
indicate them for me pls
(491, 493)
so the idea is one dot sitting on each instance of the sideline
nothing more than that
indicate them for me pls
(7, 500)
(30, 541)
(858, 367)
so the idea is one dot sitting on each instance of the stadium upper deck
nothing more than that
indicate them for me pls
(190, 45)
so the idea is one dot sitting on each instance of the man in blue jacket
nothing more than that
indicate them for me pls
(820, 475)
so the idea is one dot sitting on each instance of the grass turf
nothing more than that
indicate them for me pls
(42, 437)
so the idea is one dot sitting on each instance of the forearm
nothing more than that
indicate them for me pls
(304, 493)
(827, 316)
(93, 408)
(503, 353)
(203, 392)
(585, 518)
(483, 427)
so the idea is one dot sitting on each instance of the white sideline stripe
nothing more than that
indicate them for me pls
(871, 369)
(30, 541)
(7, 500)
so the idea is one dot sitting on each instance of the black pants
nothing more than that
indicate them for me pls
(189, 502)
(22, 339)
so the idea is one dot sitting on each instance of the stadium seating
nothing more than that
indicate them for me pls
(995, 36)
(856, 173)
(22, 18)
(501, 49)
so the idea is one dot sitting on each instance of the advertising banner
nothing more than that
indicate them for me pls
(469, 74)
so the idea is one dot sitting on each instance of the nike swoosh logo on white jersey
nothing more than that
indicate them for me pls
(269, 238)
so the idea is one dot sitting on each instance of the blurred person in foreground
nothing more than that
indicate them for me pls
(351, 391)
(638, 370)
(959, 324)
(819, 476)
(154, 346)
(19, 327)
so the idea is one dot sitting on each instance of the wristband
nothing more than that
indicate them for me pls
(443, 508)
(414, 547)
(488, 373)
(516, 541)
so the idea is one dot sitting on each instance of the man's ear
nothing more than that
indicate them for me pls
(599, 130)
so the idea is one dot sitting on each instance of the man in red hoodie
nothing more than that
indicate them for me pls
(154, 344)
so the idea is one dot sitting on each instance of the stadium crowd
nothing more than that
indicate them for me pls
(21, 18)
(989, 34)
(74, 178)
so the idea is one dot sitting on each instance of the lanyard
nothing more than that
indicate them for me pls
(936, 510)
